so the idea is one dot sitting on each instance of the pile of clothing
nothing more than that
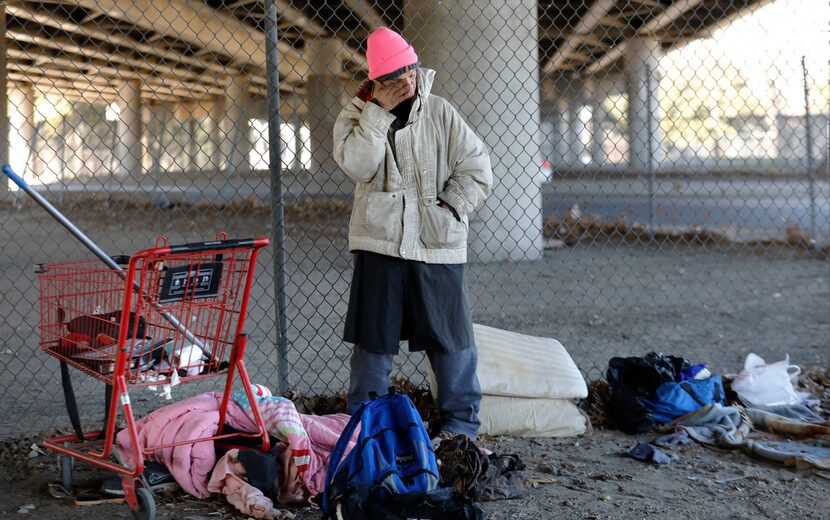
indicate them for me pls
(482, 476)
(788, 434)
(766, 416)
(294, 471)
(298, 462)
(656, 389)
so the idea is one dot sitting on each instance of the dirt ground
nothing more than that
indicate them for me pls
(583, 478)
(600, 299)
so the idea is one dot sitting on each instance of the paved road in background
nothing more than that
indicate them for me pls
(745, 207)
(749, 207)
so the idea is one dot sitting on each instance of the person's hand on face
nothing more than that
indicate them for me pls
(391, 92)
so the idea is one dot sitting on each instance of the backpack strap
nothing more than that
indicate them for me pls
(339, 450)
(689, 390)
(720, 395)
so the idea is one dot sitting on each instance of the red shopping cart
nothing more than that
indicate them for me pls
(175, 314)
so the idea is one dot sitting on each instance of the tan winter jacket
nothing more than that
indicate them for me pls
(438, 156)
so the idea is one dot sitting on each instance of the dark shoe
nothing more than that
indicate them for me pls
(156, 477)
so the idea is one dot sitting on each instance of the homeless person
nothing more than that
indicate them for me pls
(419, 172)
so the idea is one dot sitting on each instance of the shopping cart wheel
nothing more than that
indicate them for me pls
(65, 465)
(146, 504)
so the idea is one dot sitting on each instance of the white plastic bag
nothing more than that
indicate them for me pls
(762, 384)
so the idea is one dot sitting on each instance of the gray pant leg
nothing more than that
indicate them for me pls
(459, 393)
(370, 373)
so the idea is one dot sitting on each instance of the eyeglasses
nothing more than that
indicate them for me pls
(406, 77)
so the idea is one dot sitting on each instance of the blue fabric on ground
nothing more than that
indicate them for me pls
(645, 452)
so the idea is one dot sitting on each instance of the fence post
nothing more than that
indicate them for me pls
(5, 148)
(650, 148)
(277, 209)
(811, 171)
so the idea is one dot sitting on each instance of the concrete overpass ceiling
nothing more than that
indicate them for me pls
(589, 36)
(191, 49)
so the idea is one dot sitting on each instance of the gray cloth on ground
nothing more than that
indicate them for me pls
(728, 427)
(715, 425)
(793, 454)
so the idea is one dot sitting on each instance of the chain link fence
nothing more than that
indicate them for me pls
(661, 168)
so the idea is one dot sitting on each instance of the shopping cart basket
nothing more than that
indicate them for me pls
(175, 314)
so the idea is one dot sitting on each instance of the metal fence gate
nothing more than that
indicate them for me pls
(661, 183)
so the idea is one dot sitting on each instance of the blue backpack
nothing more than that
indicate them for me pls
(676, 399)
(393, 454)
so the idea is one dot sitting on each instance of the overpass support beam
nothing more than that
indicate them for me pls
(236, 128)
(130, 129)
(500, 103)
(22, 126)
(325, 96)
(641, 75)
(596, 94)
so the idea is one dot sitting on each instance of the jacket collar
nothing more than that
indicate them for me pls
(425, 80)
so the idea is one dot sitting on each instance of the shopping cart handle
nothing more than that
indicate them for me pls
(13, 176)
(219, 244)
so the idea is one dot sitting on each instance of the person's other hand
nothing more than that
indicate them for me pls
(391, 94)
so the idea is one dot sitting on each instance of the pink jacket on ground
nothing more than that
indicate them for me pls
(193, 418)
(198, 417)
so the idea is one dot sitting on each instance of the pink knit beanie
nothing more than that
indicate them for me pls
(387, 52)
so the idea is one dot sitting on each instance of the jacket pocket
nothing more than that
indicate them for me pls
(384, 215)
(441, 230)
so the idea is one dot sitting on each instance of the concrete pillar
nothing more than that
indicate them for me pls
(129, 129)
(236, 128)
(596, 94)
(74, 145)
(215, 112)
(22, 127)
(641, 58)
(293, 101)
(561, 129)
(148, 136)
(548, 119)
(486, 56)
(566, 91)
(569, 128)
(324, 95)
(575, 128)
(192, 145)
(155, 134)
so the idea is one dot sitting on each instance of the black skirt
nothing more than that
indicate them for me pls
(394, 300)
